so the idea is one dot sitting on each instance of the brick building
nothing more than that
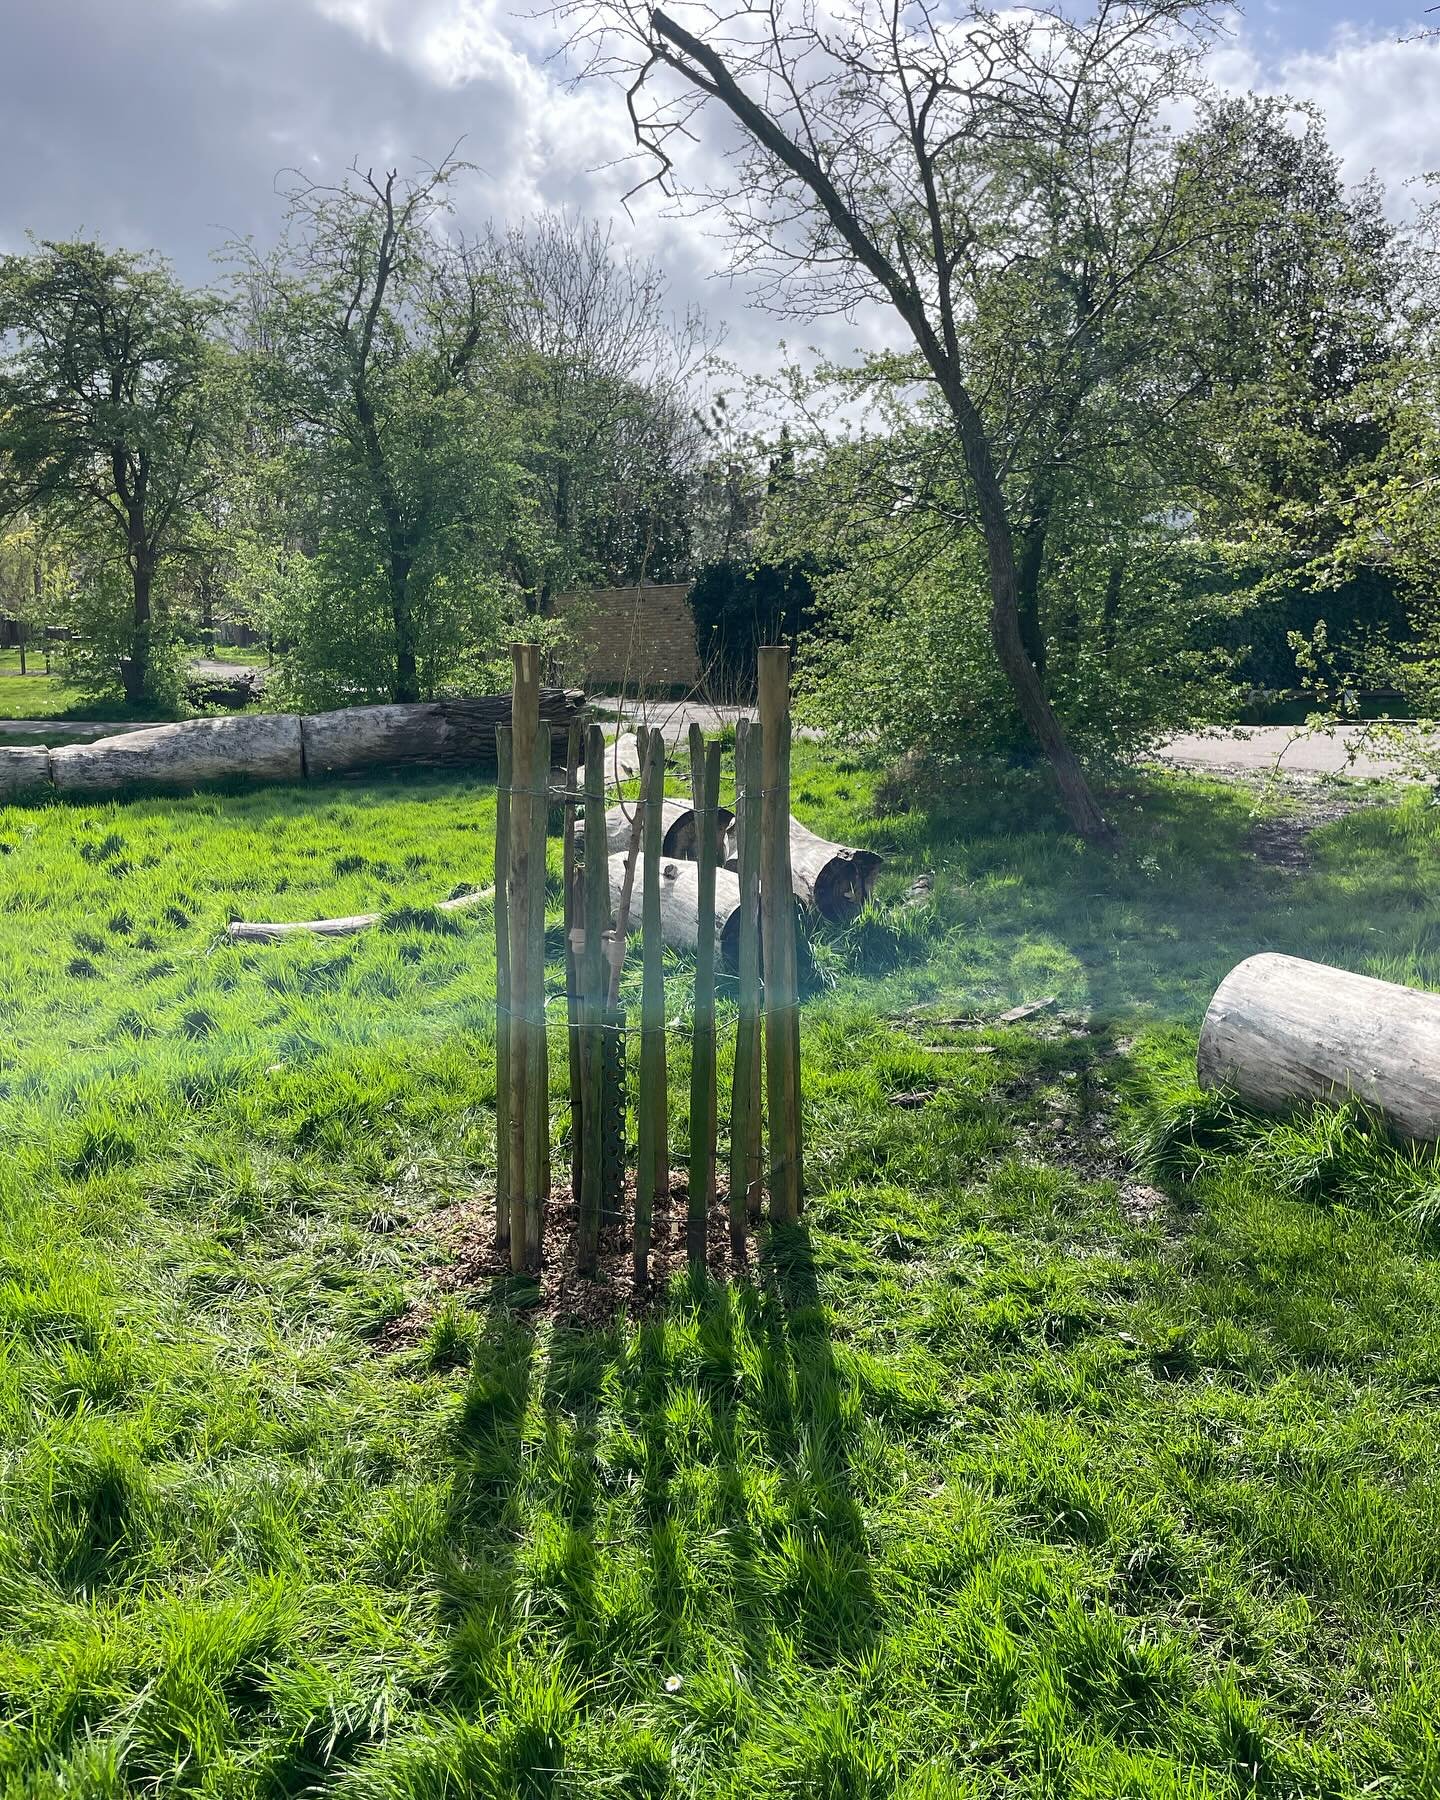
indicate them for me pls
(636, 638)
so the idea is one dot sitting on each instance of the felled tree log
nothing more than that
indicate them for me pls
(370, 737)
(681, 837)
(1281, 1032)
(434, 733)
(24, 774)
(239, 931)
(253, 746)
(680, 905)
(831, 879)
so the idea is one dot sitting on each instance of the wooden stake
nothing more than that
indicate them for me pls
(572, 998)
(745, 1183)
(595, 920)
(524, 1066)
(705, 791)
(653, 1170)
(782, 1020)
(537, 1193)
(502, 989)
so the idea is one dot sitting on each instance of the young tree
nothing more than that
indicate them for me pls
(112, 405)
(929, 159)
(373, 336)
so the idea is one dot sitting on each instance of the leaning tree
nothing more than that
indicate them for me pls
(920, 157)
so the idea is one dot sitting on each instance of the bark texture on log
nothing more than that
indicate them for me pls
(241, 931)
(679, 840)
(680, 905)
(831, 879)
(368, 737)
(1282, 1032)
(24, 774)
(470, 725)
(254, 746)
(437, 733)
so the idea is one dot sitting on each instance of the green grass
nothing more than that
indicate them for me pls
(36, 695)
(247, 656)
(1004, 1476)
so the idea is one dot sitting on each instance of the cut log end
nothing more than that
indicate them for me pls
(844, 884)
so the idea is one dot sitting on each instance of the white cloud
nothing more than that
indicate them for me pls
(164, 122)
(1380, 97)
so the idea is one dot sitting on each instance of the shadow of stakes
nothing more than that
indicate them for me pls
(811, 1413)
(730, 1314)
(477, 1573)
(729, 1390)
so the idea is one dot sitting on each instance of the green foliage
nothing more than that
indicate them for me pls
(394, 490)
(739, 606)
(115, 404)
(901, 662)
(599, 370)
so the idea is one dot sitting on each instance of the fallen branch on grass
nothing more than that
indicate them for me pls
(241, 932)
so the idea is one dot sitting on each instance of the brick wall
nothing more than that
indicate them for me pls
(636, 637)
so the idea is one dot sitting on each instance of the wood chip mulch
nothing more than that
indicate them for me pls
(464, 1262)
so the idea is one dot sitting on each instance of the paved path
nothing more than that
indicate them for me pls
(78, 730)
(1290, 749)
(1247, 749)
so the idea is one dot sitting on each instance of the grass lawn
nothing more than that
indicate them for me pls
(36, 695)
(1011, 1473)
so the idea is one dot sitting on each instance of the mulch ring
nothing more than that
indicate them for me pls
(465, 1263)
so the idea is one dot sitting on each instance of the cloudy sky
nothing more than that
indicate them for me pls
(164, 123)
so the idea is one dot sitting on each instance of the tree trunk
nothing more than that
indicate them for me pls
(407, 671)
(255, 746)
(24, 774)
(680, 48)
(1111, 613)
(1030, 697)
(135, 668)
(1027, 593)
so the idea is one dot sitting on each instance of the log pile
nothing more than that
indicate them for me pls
(679, 837)
(679, 889)
(1282, 1032)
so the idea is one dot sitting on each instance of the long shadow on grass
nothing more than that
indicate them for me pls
(478, 1572)
(811, 1413)
(684, 1478)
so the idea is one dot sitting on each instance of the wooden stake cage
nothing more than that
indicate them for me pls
(617, 866)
